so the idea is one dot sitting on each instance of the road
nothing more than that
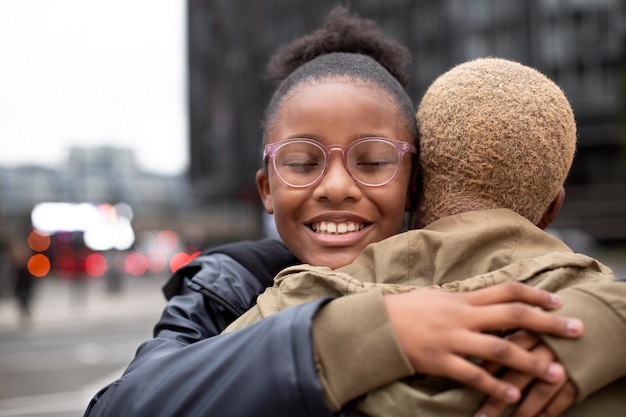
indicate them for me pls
(72, 347)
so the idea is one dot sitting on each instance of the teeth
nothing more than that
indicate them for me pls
(334, 228)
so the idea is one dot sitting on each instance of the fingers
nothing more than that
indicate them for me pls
(522, 338)
(542, 395)
(455, 322)
(510, 305)
(474, 376)
(525, 340)
(563, 399)
(517, 315)
(495, 349)
(549, 399)
(495, 406)
(515, 291)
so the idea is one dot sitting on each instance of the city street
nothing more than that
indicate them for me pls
(77, 342)
(80, 339)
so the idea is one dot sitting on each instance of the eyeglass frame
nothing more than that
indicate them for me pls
(269, 152)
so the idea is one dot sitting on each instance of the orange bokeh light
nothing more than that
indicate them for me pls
(38, 241)
(39, 265)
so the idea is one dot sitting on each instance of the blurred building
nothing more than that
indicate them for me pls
(581, 44)
(110, 175)
(92, 175)
(95, 175)
(101, 176)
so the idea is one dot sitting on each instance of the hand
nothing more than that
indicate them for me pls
(437, 330)
(542, 399)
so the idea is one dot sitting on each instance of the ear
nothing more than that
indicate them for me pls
(263, 185)
(553, 210)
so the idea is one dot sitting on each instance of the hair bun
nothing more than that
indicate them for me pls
(342, 32)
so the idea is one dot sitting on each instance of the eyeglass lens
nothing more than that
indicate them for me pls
(371, 162)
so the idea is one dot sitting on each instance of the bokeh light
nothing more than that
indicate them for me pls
(104, 226)
(136, 264)
(167, 240)
(38, 241)
(181, 259)
(157, 261)
(96, 265)
(39, 265)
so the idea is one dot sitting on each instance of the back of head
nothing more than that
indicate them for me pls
(493, 134)
(346, 47)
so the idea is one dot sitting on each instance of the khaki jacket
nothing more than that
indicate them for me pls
(463, 253)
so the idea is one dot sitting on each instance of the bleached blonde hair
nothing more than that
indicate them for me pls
(493, 134)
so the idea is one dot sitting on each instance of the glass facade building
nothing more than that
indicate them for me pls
(581, 44)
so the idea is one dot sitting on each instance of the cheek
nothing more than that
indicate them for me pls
(390, 201)
(286, 203)
(397, 193)
(392, 204)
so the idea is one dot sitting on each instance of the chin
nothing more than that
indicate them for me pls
(333, 261)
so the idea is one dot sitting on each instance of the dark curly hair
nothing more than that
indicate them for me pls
(349, 47)
(342, 32)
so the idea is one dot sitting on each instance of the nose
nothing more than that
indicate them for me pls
(337, 184)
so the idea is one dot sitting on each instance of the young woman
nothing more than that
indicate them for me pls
(342, 121)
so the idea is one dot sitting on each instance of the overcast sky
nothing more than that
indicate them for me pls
(91, 73)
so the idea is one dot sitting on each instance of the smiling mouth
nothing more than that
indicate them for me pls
(336, 228)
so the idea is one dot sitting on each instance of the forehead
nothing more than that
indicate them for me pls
(337, 107)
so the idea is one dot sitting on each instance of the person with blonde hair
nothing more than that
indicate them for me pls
(497, 140)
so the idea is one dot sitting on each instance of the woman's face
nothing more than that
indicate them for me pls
(335, 112)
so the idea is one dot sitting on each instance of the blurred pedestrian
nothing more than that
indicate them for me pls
(23, 281)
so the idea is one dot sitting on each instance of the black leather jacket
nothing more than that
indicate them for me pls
(266, 369)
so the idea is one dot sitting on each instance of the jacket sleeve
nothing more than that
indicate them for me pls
(267, 369)
(264, 370)
(602, 308)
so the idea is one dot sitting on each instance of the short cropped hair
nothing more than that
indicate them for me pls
(493, 134)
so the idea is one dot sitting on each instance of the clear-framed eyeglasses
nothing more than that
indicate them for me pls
(372, 161)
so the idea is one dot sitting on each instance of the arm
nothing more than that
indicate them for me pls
(346, 333)
(184, 370)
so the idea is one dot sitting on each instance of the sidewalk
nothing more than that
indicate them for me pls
(59, 302)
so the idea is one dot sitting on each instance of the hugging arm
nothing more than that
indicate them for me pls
(266, 369)
(431, 331)
(187, 369)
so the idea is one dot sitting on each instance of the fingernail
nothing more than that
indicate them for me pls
(555, 300)
(573, 326)
(511, 395)
(554, 372)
